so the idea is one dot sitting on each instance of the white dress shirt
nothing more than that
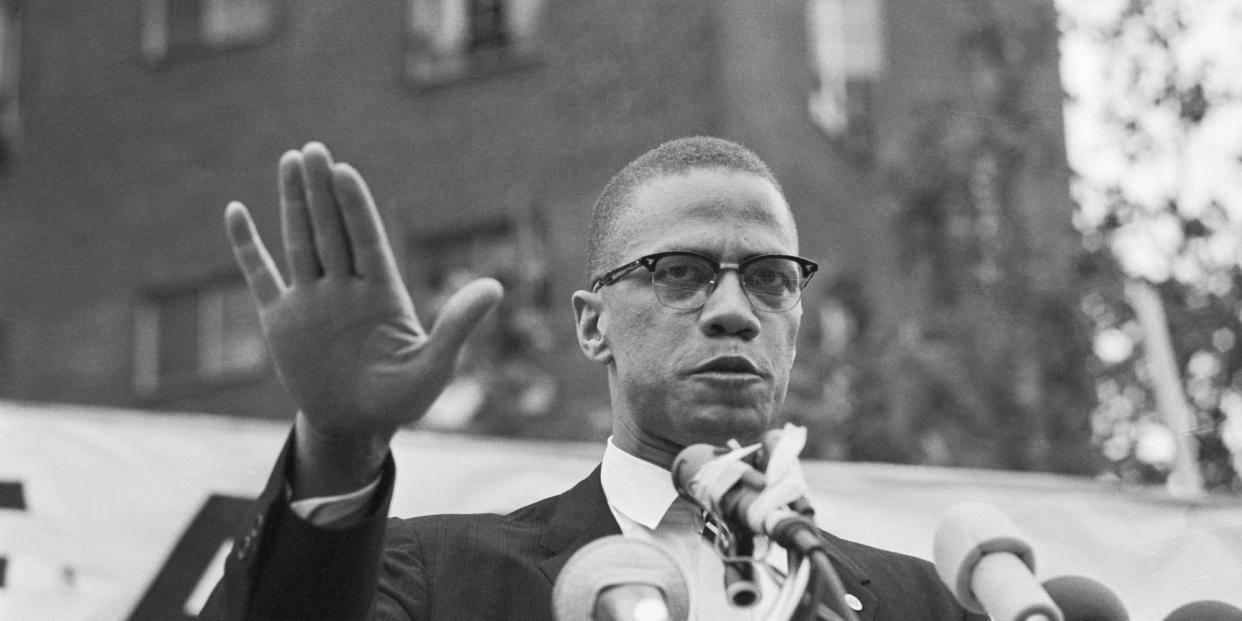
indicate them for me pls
(646, 506)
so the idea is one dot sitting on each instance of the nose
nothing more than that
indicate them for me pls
(727, 311)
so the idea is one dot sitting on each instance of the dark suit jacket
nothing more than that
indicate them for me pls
(482, 566)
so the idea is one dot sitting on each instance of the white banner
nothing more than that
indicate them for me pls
(107, 512)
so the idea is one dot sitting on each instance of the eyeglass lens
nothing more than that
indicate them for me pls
(685, 281)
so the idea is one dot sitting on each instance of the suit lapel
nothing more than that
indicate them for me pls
(867, 600)
(854, 579)
(580, 517)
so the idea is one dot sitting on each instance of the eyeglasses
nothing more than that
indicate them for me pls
(684, 280)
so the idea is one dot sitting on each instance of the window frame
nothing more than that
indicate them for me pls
(163, 43)
(211, 336)
(444, 47)
(841, 101)
(11, 35)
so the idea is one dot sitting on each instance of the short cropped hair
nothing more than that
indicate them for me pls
(671, 158)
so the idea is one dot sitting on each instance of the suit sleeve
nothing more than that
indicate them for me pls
(283, 567)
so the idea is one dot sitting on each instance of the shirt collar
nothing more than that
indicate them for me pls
(637, 489)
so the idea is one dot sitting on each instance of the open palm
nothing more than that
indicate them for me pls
(343, 332)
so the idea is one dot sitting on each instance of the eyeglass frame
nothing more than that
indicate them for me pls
(612, 276)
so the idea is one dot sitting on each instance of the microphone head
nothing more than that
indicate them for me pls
(1084, 599)
(1206, 610)
(970, 531)
(615, 561)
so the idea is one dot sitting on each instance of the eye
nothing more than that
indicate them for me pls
(773, 276)
(683, 271)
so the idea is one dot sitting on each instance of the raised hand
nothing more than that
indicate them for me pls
(343, 333)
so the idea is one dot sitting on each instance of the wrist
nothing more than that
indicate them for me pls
(329, 464)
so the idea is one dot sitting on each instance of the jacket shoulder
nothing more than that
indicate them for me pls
(906, 584)
(876, 561)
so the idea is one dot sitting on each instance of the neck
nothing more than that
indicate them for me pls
(658, 452)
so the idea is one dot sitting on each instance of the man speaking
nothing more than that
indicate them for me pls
(692, 306)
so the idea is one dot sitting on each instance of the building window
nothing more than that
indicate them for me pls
(846, 42)
(178, 28)
(503, 385)
(10, 67)
(186, 337)
(455, 39)
(512, 251)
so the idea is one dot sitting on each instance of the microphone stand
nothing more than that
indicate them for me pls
(792, 527)
(803, 540)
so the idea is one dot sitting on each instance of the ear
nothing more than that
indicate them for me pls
(592, 326)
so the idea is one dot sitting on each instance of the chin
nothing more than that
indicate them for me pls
(718, 425)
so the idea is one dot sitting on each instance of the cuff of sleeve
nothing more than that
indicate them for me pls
(341, 511)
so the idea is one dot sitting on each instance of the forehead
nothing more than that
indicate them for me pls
(706, 209)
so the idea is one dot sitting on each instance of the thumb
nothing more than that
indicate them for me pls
(461, 313)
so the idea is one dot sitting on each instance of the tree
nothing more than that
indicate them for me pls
(1154, 116)
(987, 367)
(995, 353)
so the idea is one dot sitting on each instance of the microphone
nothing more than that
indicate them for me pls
(989, 566)
(739, 495)
(1084, 599)
(736, 502)
(1206, 610)
(618, 578)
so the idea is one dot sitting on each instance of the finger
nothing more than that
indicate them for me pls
(255, 262)
(368, 243)
(295, 221)
(460, 315)
(331, 245)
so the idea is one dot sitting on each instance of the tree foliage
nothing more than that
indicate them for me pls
(1155, 117)
(986, 366)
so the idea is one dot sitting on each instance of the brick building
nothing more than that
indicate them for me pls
(485, 128)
